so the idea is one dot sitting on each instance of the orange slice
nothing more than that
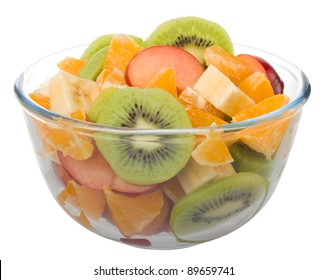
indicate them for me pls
(70, 143)
(133, 214)
(78, 115)
(257, 87)
(212, 152)
(111, 77)
(165, 79)
(200, 118)
(71, 65)
(263, 107)
(193, 100)
(173, 189)
(41, 99)
(232, 66)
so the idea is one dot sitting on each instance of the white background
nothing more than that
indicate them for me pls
(286, 240)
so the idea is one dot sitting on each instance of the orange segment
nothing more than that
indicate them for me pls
(41, 99)
(232, 66)
(111, 77)
(200, 118)
(253, 63)
(78, 115)
(212, 152)
(263, 107)
(257, 87)
(165, 79)
(71, 65)
(133, 214)
(70, 143)
(193, 100)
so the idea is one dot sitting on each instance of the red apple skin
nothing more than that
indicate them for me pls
(144, 65)
(275, 81)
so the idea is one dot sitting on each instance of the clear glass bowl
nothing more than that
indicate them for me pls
(83, 187)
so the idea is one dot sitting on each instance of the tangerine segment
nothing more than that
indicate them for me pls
(257, 87)
(193, 100)
(133, 214)
(230, 65)
(78, 115)
(121, 50)
(200, 118)
(41, 99)
(165, 79)
(212, 152)
(71, 65)
(111, 77)
(70, 143)
(263, 107)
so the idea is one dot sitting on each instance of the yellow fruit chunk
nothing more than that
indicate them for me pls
(41, 99)
(121, 50)
(165, 79)
(78, 115)
(263, 107)
(257, 87)
(70, 143)
(193, 100)
(200, 118)
(173, 189)
(133, 214)
(71, 65)
(212, 152)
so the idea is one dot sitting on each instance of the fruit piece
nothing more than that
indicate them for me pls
(94, 65)
(41, 99)
(248, 160)
(212, 152)
(78, 115)
(192, 34)
(193, 175)
(201, 118)
(263, 107)
(101, 42)
(275, 80)
(61, 173)
(70, 143)
(257, 87)
(253, 63)
(148, 62)
(133, 214)
(165, 79)
(215, 87)
(232, 66)
(173, 189)
(218, 208)
(111, 78)
(71, 65)
(69, 93)
(142, 159)
(193, 100)
(138, 242)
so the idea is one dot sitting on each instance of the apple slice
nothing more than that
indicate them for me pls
(147, 63)
(253, 63)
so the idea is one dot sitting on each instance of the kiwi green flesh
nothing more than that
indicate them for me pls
(249, 160)
(94, 65)
(143, 159)
(191, 33)
(218, 208)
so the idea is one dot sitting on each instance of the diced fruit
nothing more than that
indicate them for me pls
(263, 107)
(72, 65)
(41, 99)
(232, 66)
(133, 214)
(165, 79)
(201, 118)
(215, 87)
(70, 143)
(275, 80)
(61, 173)
(257, 87)
(148, 62)
(173, 189)
(111, 78)
(253, 63)
(78, 115)
(69, 93)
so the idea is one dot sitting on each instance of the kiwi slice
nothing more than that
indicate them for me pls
(94, 65)
(249, 160)
(102, 42)
(148, 158)
(218, 208)
(192, 34)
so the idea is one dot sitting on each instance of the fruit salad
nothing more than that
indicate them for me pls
(161, 162)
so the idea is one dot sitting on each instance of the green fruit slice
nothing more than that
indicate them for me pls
(192, 34)
(218, 208)
(142, 159)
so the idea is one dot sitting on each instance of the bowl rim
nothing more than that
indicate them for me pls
(302, 95)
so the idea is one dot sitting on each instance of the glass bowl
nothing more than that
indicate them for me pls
(195, 203)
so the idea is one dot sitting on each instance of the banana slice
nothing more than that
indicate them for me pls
(221, 92)
(69, 93)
